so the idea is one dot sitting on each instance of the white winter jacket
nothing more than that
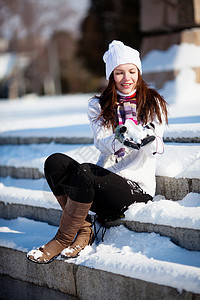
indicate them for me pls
(135, 165)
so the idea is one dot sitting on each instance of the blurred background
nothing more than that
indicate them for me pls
(56, 47)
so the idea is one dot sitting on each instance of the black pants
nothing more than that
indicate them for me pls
(109, 193)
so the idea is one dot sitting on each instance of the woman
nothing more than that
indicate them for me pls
(128, 122)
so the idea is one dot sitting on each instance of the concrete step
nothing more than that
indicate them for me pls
(184, 237)
(20, 140)
(168, 139)
(176, 188)
(187, 238)
(20, 172)
(20, 290)
(14, 210)
(82, 282)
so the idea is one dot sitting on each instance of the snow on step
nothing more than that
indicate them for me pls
(134, 255)
(182, 133)
(184, 213)
(37, 198)
(33, 156)
(178, 220)
(81, 134)
(179, 160)
(177, 170)
(64, 119)
(61, 117)
(42, 113)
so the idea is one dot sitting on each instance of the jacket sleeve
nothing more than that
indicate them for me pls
(104, 138)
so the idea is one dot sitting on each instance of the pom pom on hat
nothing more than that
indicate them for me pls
(119, 54)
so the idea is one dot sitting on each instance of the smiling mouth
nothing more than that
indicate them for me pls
(126, 84)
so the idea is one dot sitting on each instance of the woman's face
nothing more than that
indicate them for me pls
(125, 77)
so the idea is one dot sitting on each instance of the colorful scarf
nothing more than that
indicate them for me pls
(126, 109)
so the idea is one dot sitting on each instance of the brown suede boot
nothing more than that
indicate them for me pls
(84, 237)
(62, 200)
(72, 219)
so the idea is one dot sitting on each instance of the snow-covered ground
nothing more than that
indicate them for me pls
(140, 255)
(184, 165)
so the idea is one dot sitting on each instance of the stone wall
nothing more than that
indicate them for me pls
(165, 23)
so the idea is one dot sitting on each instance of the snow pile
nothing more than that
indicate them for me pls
(184, 213)
(145, 256)
(179, 161)
(183, 91)
(177, 57)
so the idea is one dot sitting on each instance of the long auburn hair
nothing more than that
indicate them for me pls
(149, 103)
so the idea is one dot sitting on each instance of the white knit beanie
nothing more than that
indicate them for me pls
(119, 54)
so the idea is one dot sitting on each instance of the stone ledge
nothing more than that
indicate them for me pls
(20, 172)
(20, 290)
(77, 140)
(185, 237)
(20, 140)
(42, 214)
(83, 282)
(185, 140)
(176, 188)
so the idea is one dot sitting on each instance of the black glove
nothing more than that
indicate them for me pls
(125, 137)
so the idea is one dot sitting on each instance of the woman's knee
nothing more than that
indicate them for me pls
(57, 171)
(52, 162)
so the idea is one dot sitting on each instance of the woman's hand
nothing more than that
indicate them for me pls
(121, 134)
(132, 135)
